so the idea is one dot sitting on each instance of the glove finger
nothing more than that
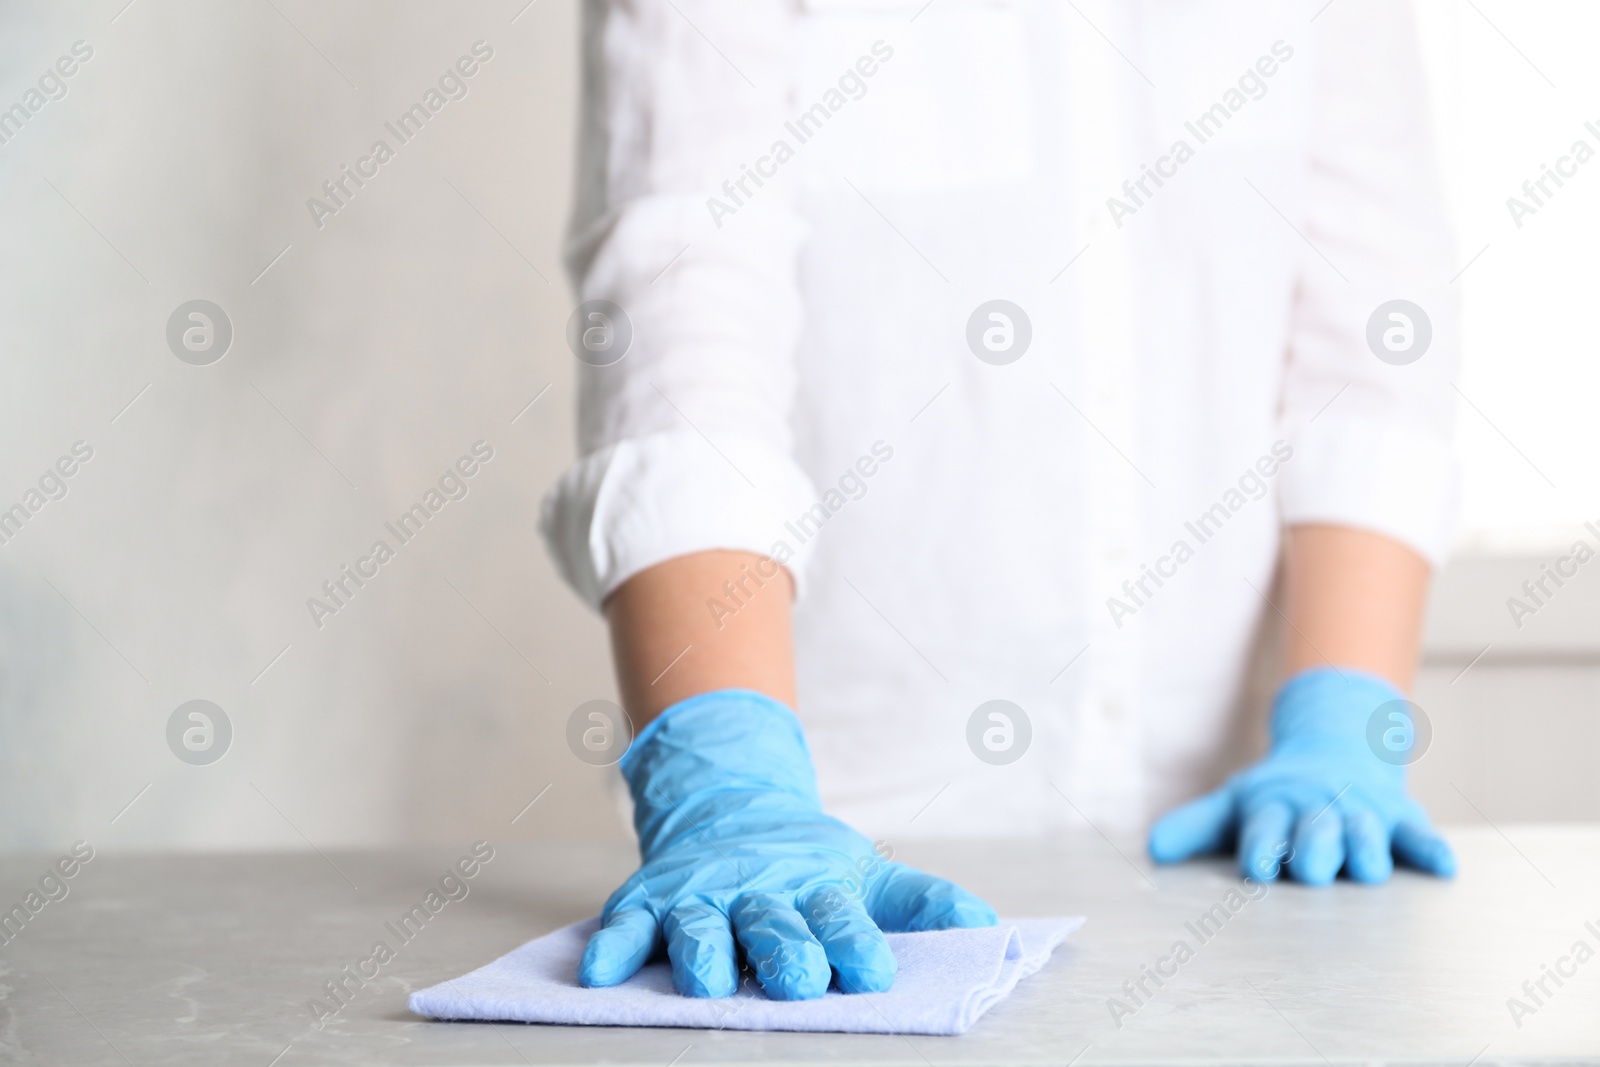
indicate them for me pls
(855, 947)
(1198, 827)
(1366, 847)
(789, 963)
(1419, 845)
(700, 946)
(619, 948)
(905, 899)
(1318, 847)
(1264, 840)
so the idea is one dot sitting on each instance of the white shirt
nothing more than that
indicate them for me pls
(1198, 374)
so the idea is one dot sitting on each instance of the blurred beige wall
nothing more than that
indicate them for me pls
(368, 355)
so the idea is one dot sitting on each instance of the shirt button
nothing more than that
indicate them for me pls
(1112, 709)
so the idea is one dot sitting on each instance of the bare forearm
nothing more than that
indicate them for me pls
(701, 622)
(1355, 599)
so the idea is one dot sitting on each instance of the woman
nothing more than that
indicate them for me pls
(956, 376)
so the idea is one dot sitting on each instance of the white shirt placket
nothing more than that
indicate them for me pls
(1104, 775)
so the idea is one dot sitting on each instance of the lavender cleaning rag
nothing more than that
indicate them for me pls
(946, 981)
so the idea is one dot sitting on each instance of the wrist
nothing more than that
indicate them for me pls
(1330, 703)
(724, 741)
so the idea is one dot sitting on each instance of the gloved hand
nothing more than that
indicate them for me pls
(734, 845)
(1321, 795)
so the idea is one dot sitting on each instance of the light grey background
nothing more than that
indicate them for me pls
(426, 315)
(420, 319)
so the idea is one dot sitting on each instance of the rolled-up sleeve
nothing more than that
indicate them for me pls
(1372, 438)
(685, 443)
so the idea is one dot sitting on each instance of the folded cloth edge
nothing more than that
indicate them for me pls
(1029, 945)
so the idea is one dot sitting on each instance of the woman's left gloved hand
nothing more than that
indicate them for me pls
(1321, 800)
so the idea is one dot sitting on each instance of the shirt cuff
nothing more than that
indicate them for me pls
(648, 499)
(1375, 474)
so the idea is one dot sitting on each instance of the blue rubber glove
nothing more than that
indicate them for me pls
(735, 846)
(1321, 799)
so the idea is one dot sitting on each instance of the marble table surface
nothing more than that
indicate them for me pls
(217, 959)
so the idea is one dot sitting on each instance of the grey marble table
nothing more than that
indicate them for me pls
(216, 959)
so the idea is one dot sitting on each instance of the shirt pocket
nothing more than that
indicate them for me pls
(918, 96)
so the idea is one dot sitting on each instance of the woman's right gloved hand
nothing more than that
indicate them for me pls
(736, 851)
